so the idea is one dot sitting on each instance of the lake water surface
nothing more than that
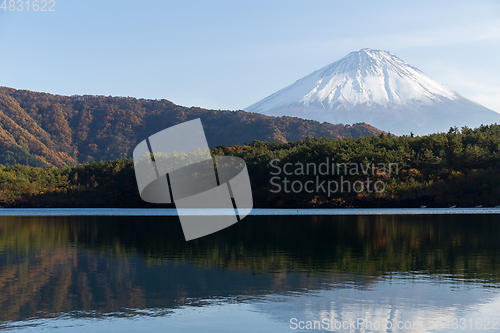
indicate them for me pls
(420, 270)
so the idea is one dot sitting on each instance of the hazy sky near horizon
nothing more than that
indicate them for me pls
(231, 54)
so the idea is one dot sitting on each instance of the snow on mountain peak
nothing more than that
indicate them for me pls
(370, 76)
(379, 88)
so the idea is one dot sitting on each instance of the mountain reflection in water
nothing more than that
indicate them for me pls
(127, 266)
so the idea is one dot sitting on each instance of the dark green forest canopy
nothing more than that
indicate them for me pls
(461, 167)
(40, 129)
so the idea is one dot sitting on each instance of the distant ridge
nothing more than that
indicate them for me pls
(40, 129)
(378, 88)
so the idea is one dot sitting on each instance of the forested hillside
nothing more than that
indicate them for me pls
(460, 168)
(43, 130)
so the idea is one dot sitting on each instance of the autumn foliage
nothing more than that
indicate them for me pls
(41, 130)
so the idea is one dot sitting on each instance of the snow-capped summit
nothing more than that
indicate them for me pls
(378, 88)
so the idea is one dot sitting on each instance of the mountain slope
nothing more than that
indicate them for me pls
(378, 88)
(41, 129)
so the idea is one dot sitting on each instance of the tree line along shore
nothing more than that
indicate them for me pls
(458, 168)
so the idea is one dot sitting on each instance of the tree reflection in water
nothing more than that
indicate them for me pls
(97, 266)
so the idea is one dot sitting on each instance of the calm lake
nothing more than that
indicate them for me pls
(419, 270)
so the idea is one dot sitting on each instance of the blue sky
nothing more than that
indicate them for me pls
(230, 54)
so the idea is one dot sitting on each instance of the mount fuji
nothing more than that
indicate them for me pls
(378, 88)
